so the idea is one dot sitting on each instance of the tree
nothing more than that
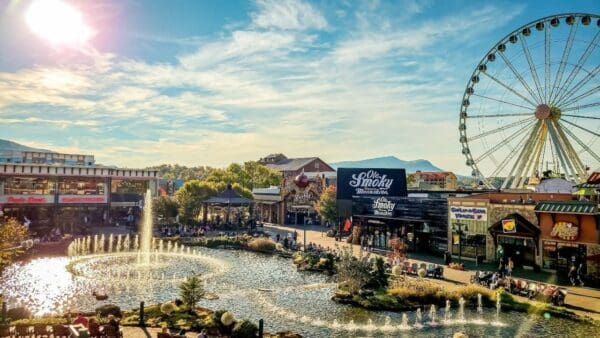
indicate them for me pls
(12, 233)
(250, 175)
(165, 207)
(327, 205)
(353, 272)
(191, 196)
(191, 291)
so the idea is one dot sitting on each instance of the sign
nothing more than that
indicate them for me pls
(455, 239)
(477, 214)
(383, 207)
(357, 182)
(565, 230)
(27, 199)
(82, 199)
(509, 226)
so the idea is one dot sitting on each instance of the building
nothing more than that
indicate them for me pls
(431, 180)
(49, 189)
(498, 224)
(590, 190)
(569, 236)
(293, 202)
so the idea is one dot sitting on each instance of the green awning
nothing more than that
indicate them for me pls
(567, 207)
(586, 192)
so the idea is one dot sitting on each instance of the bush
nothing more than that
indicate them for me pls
(17, 313)
(109, 309)
(168, 308)
(41, 321)
(191, 291)
(244, 329)
(227, 318)
(262, 245)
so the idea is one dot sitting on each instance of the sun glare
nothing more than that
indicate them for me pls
(58, 23)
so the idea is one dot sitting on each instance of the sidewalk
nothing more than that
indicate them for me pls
(585, 299)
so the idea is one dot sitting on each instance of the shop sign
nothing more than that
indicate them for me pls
(371, 182)
(509, 226)
(21, 199)
(81, 199)
(383, 207)
(477, 214)
(565, 230)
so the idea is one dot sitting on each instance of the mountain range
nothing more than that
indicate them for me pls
(388, 162)
(10, 145)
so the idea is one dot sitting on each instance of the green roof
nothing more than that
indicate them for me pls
(567, 207)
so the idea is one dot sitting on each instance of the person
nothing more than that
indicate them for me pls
(370, 243)
(495, 280)
(285, 242)
(447, 258)
(580, 274)
(295, 236)
(278, 237)
(202, 334)
(112, 321)
(572, 275)
(502, 268)
(81, 319)
(509, 267)
(94, 327)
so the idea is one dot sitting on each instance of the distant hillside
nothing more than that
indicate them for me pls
(10, 145)
(388, 162)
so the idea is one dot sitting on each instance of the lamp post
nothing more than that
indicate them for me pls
(458, 229)
(305, 234)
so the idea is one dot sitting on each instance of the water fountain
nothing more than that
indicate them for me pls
(418, 319)
(146, 231)
(447, 314)
(461, 311)
(432, 316)
(404, 325)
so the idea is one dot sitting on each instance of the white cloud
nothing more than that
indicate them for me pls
(288, 14)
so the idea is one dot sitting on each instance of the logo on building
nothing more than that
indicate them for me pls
(371, 183)
(383, 207)
(509, 226)
(565, 230)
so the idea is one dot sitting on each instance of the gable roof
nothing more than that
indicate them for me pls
(567, 207)
(230, 197)
(294, 164)
(524, 227)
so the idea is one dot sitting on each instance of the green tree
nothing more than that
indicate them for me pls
(327, 205)
(379, 278)
(165, 207)
(354, 273)
(250, 175)
(191, 291)
(12, 233)
(191, 196)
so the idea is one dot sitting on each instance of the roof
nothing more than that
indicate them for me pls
(567, 207)
(555, 185)
(594, 178)
(523, 227)
(291, 164)
(229, 197)
(432, 175)
(273, 190)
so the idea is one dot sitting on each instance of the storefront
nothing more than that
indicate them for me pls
(467, 227)
(516, 238)
(374, 197)
(569, 235)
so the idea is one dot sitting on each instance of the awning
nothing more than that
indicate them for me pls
(229, 197)
(567, 207)
(586, 192)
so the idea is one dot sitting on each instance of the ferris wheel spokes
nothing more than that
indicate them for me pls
(499, 129)
(589, 105)
(582, 144)
(501, 101)
(563, 60)
(520, 78)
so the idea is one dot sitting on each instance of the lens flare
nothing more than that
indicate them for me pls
(58, 23)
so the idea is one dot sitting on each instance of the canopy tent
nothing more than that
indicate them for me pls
(227, 198)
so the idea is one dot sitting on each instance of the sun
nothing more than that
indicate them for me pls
(58, 23)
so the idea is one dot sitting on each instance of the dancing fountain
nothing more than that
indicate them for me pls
(447, 314)
(461, 311)
(432, 316)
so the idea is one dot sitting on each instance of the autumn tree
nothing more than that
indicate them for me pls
(327, 205)
(165, 207)
(12, 233)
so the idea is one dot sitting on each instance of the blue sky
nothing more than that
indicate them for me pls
(212, 82)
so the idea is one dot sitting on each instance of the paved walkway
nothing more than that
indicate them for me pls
(586, 300)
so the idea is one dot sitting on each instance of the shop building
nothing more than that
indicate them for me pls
(293, 202)
(431, 180)
(569, 236)
(48, 193)
(480, 226)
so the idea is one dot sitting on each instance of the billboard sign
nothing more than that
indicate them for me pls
(383, 207)
(360, 182)
(472, 213)
(83, 199)
(27, 199)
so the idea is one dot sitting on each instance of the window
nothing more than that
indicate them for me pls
(28, 186)
(129, 186)
(81, 186)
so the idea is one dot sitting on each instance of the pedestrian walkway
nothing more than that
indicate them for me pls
(587, 300)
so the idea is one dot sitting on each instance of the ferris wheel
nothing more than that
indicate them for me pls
(531, 107)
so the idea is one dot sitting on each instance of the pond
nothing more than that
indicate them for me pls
(252, 286)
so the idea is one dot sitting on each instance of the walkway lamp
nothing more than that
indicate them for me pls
(460, 229)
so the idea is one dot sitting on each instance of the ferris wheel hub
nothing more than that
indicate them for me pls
(542, 111)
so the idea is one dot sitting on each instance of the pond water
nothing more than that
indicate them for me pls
(252, 286)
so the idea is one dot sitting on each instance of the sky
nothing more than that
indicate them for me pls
(213, 82)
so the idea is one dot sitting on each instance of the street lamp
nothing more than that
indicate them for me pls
(305, 219)
(458, 229)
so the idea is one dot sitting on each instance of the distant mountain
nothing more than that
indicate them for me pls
(10, 145)
(388, 162)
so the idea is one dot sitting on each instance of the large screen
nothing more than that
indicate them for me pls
(360, 182)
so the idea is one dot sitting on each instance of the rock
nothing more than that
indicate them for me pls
(211, 296)
(460, 335)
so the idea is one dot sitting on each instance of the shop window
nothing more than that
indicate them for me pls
(81, 186)
(28, 186)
